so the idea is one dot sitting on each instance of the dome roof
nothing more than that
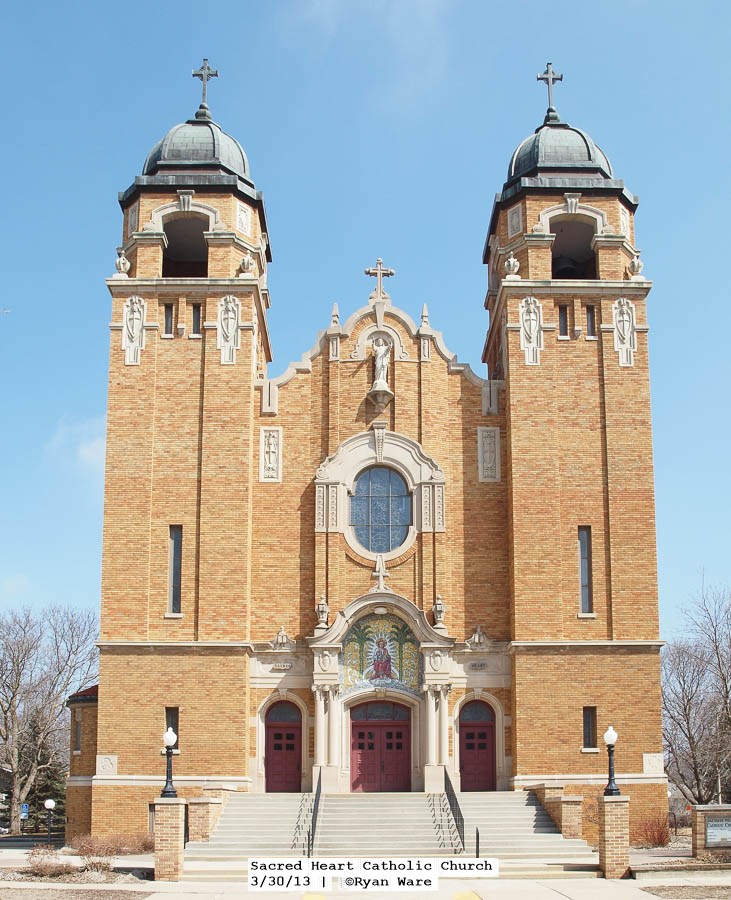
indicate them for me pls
(199, 143)
(558, 146)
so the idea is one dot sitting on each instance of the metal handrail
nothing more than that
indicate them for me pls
(477, 842)
(454, 807)
(312, 830)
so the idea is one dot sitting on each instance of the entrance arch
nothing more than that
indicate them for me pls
(283, 748)
(380, 747)
(477, 766)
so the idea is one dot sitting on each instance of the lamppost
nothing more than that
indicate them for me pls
(610, 739)
(50, 806)
(169, 739)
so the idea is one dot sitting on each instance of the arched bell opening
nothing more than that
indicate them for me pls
(572, 254)
(186, 253)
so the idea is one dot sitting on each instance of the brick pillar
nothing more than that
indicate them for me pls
(203, 813)
(614, 836)
(169, 838)
(698, 822)
(571, 816)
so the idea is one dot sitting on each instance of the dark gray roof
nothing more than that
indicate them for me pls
(558, 147)
(199, 143)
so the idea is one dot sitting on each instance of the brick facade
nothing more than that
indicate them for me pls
(495, 539)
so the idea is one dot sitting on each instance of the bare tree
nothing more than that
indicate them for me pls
(44, 658)
(696, 690)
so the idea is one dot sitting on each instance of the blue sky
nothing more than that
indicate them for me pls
(374, 128)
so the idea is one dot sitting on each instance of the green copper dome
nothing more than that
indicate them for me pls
(197, 144)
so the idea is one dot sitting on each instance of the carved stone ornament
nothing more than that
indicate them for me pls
(322, 609)
(133, 330)
(512, 266)
(438, 610)
(636, 266)
(531, 330)
(478, 639)
(243, 218)
(436, 659)
(270, 454)
(282, 640)
(246, 265)
(121, 264)
(325, 660)
(488, 454)
(515, 220)
(106, 764)
(625, 334)
(228, 340)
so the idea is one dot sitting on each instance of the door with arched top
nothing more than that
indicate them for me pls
(283, 751)
(380, 747)
(477, 747)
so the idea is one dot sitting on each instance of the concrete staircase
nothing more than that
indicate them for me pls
(250, 825)
(515, 828)
(390, 825)
(513, 825)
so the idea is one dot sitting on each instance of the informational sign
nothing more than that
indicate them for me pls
(718, 830)
(23, 810)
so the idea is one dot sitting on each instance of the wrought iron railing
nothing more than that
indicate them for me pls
(312, 830)
(477, 842)
(454, 807)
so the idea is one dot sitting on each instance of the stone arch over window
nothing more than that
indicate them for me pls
(575, 226)
(335, 484)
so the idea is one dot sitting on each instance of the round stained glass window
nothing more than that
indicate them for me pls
(380, 510)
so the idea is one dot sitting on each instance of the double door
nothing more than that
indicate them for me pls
(380, 756)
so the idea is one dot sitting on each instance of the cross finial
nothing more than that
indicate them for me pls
(550, 77)
(205, 73)
(379, 273)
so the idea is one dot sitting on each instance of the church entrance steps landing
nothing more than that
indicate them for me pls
(378, 824)
(514, 826)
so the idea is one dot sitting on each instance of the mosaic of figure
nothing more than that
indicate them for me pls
(380, 651)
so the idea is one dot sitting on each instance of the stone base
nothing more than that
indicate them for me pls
(433, 779)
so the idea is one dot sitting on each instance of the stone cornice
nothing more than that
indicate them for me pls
(515, 646)
(245, 646)
(188, 287)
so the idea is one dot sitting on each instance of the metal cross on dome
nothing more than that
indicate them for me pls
(549, 77)
(379, 273)
(205, 73)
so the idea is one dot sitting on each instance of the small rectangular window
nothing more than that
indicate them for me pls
(168, 319)
(77, 731)
(175, 566)
(590, 726)
(591, 321)
(172, 720)
(585, 568)
(563, 320)
(196, 318)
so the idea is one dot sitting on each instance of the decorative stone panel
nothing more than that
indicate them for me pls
(488, 453)
(270, 454)
(133, 330)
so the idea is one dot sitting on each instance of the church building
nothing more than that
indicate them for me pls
(379, 570)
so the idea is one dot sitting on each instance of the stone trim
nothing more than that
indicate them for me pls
(526, 781)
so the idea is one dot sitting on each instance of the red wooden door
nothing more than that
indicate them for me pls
(477, 747)
(283, 751)
(380, 749)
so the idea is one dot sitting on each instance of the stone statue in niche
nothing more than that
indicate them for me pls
(133, 334)
(381, 354)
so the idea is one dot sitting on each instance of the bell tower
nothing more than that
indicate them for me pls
(568, 338)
